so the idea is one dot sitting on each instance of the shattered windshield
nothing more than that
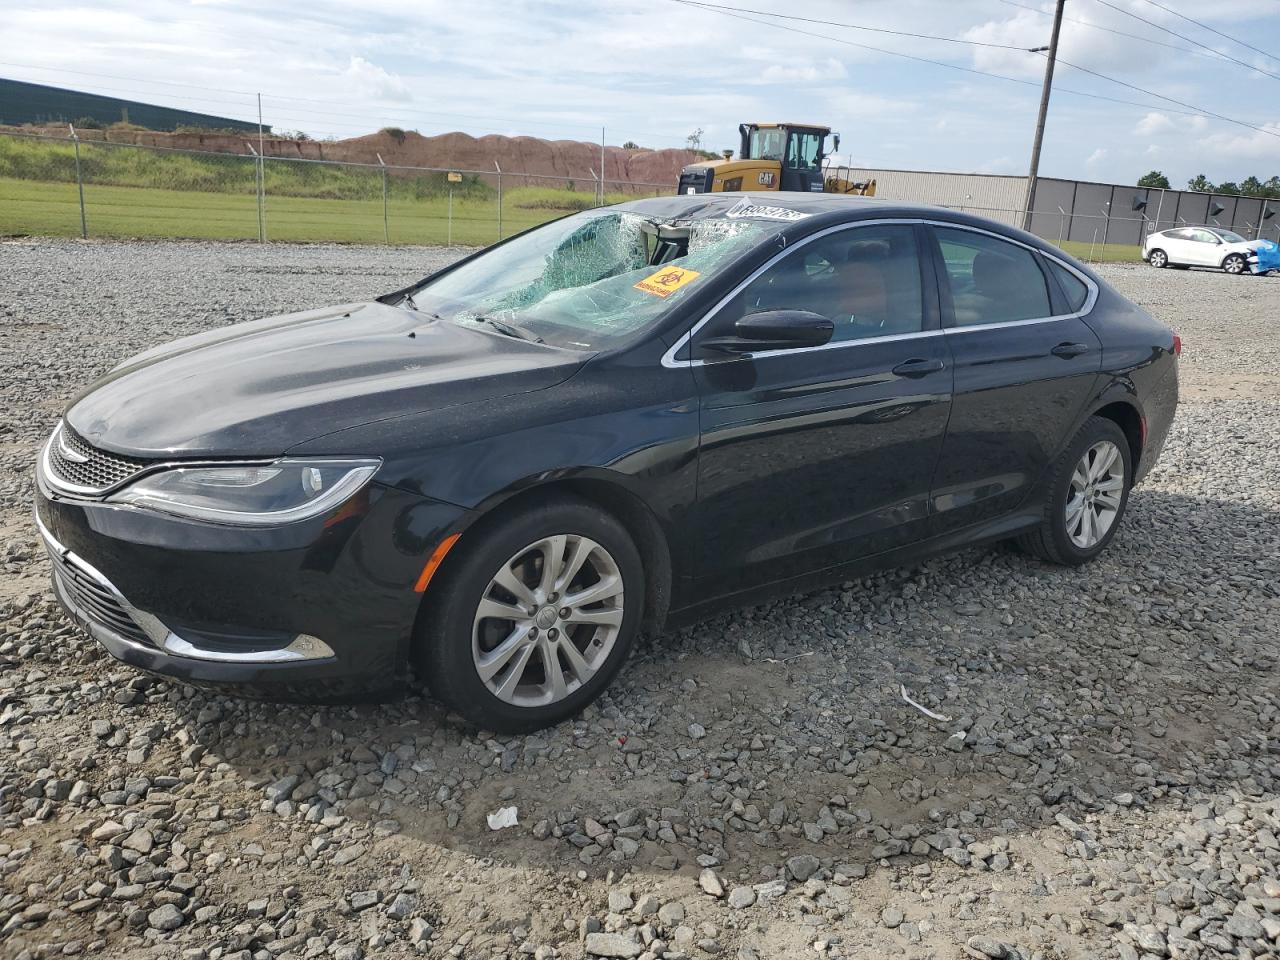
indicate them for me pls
(589, 279)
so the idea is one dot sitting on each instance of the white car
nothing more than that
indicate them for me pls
(1184, 247)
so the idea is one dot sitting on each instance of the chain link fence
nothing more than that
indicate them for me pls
(93, 188)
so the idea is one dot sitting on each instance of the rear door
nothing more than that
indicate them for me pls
(1177, 244)
(1025, 365)
(810, 457)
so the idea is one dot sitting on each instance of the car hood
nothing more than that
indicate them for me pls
(259, 388)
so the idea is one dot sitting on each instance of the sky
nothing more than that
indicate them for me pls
(653, 72)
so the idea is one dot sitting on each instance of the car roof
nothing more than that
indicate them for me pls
(804, 211)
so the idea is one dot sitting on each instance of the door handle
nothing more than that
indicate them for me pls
(918, 367)
(1069, 350)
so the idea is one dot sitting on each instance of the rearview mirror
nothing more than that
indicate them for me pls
(774, 330)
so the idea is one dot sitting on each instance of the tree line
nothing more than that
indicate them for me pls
(1248, 187)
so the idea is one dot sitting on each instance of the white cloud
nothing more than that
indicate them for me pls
(373, 81)
(1096, 157)
(1153, 123)
(817, 72)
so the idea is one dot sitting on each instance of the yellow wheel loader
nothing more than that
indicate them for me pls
(774, 156)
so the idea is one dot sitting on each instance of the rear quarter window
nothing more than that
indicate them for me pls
(1075, 289)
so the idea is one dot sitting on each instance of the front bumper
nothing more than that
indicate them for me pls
(321, 609)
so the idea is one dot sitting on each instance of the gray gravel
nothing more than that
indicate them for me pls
(752, 787)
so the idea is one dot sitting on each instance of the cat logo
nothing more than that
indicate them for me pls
(766, 178)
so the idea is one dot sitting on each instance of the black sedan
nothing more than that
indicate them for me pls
(498, 477)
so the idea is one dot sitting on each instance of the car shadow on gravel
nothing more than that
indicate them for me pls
(781, 730)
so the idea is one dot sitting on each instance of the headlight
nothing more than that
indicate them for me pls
(252, 494)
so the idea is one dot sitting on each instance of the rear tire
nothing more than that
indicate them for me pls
(1088, 494)
(505, 643)
(1158, 259)
(1235, 264)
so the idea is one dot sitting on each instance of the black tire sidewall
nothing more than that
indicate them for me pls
(1244, 264)
(1094, 430)
(445, 640)
(1152, 257)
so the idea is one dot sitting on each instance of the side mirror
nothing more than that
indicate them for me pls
(835, 143)
(774, 330)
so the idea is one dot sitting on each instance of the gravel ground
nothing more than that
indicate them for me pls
(1107, 785)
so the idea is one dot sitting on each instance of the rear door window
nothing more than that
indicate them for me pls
(991, 280)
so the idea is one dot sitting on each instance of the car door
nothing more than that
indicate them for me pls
(813, 456)
(1025, 364)
(1177, 244)
(1204, 248)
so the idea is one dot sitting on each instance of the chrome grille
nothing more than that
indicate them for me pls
(99, 471)
(95, 600)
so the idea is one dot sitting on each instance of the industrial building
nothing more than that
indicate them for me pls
(22, 102)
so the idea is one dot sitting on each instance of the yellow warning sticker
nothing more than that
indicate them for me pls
(666, 281)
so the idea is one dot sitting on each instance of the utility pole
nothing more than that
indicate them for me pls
(1044, 112)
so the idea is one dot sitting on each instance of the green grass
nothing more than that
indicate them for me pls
(52, 209)
(149, 193)
(1104, 253)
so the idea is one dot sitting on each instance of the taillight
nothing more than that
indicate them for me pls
(1177, 345)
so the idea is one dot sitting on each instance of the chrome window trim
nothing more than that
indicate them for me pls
(669, 357)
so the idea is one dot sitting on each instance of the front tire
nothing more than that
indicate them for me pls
(1158, 259)
(1235, 264)
(1088, 494)
(535, 617)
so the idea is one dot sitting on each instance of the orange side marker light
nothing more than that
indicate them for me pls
(434, 561)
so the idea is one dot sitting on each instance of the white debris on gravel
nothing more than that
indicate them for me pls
(1111, 788)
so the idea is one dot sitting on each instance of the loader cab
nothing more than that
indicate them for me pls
(773, 156)
(798, 149)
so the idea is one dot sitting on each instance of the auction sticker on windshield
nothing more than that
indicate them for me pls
(666, 281)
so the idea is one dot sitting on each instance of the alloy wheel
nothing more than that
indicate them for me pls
(1234, 264)
(548, 620)
(1159, 259)
(1097, 488)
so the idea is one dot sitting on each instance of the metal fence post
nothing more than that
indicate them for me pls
(449, 236)
(499, 169)
(75, 139)
(386, 226)
(262, 178)
(257, 188)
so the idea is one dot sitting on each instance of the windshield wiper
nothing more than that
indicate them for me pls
(510, 330)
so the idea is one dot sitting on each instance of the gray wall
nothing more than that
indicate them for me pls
(1083, 211)
(1077, 210)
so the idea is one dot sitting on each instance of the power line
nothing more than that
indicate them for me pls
(851, 26)
(724, 11)
(1181, 36)
(1119, 33)
(1205, 26)
(1161, 96)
